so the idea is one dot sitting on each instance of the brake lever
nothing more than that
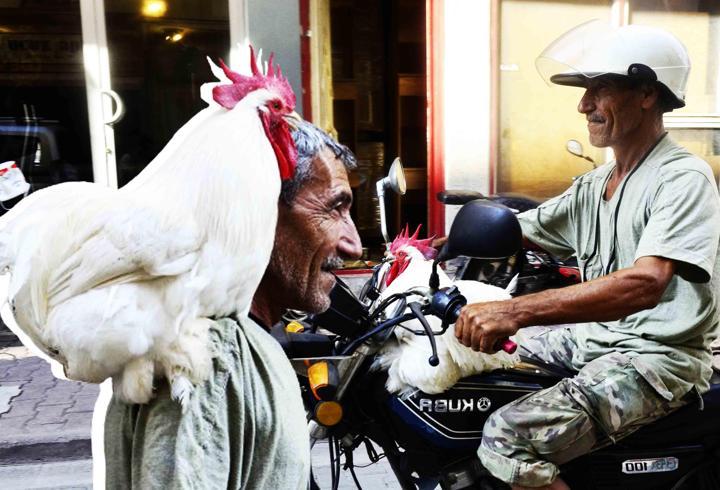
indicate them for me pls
(416, 309)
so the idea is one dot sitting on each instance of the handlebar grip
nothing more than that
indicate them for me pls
(508, 346)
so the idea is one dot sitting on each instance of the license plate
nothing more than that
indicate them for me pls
(655, 465)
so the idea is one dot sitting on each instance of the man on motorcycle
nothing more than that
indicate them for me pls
(645, 229)
(245, 427)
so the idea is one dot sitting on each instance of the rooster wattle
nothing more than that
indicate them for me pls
(124, 283)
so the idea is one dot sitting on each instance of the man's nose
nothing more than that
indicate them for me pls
(586, 104)
(349, 245)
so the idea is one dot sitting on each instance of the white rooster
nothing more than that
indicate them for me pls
(406, 360)
(123, 283)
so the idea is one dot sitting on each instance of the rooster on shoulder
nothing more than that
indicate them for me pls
(123, 283)
(406, 360)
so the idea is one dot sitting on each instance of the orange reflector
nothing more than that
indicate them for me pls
(328, 413)
(319, 377)
(294, 327)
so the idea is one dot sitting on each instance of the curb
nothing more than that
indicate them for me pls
(45, 452)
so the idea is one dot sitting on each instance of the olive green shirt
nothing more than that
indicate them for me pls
(244, 428)
(668, 207)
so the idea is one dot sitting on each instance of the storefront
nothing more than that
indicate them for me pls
(109, 82)
(92, 90)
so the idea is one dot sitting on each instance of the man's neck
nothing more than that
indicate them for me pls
(629, 154)
(264, 310)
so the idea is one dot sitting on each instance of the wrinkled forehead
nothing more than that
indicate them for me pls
(329, 169)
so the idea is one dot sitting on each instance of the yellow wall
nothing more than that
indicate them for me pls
(700, 32)
(537, 119)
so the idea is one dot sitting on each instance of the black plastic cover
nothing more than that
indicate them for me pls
(347, 316)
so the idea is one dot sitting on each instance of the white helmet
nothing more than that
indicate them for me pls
(595, 48)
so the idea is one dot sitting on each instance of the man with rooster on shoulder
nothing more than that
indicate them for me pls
(645, 229)
(248, 429)
(169, 284)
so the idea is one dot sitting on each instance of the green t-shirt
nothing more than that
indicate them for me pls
(245, 427)
(669, 207)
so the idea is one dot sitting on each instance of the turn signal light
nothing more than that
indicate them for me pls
(328, 413)
(294, 327)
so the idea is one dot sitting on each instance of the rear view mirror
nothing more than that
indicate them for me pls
(394, 181)
(574, 147)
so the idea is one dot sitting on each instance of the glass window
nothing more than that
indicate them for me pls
(43, 102)
(158, 63)
(536, 120)
(703, 142)
(697, 25)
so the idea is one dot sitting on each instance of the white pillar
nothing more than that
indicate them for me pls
(467, 103)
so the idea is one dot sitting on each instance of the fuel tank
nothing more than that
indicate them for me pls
(453, 420)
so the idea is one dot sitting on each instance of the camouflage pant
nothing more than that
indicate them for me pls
(524, 441)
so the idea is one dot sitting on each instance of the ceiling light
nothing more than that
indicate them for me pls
(154, 8)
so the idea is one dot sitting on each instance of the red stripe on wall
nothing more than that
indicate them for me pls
(305, 59)
(435, 43)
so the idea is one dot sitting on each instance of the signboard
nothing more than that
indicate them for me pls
(40, 48)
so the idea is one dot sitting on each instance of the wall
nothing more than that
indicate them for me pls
(274, 25)
(466, 93)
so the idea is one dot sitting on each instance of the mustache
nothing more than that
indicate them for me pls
(595, 119)
(332, 263)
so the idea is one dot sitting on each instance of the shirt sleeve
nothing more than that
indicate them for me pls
(549, 226)
(684, 225)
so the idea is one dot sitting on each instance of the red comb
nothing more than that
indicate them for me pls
(404, 239)
(228, 95)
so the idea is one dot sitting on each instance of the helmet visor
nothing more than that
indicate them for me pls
(595, 48)
(579, 54)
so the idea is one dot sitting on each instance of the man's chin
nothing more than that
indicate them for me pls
(320, 297)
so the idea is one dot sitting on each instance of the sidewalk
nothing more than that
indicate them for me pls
(42, 418)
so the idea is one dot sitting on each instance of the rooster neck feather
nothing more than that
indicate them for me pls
(236, 144)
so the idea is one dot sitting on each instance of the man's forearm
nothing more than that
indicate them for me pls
(482, 325)
(607, 298)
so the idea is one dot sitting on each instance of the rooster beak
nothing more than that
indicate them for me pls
(293, 119)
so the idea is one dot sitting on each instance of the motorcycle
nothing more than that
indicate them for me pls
(431, 440)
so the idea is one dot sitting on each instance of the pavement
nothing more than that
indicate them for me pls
(45, 432)
(42, 418)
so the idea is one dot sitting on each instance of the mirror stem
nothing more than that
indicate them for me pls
(380, 187)
(434, 277)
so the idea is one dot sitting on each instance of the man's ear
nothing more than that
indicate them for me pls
(651, 94)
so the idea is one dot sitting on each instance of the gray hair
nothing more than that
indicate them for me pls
(310, 140)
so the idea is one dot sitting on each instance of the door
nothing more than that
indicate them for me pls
(157, 62)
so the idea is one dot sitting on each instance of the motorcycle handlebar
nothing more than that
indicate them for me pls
(451, 301)
(446, 304)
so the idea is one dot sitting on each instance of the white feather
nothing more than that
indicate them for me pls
(406, 360)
